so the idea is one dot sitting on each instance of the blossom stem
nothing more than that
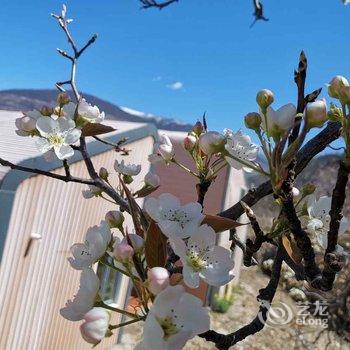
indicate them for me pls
(106, 263)
(111, 327)
(184, 168)
(115, 309)
(249, 165)
(107, 199)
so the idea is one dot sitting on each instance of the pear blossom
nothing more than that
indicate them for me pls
(163, 150)
(240, 147)
(174, 318)
(152, 179)
(189, 142)
(264, 98)
(69, 110)
(158, 279)
(319, 218)
(89, 113)
(92, 191)
(127, 169)
(96, 243)
(173, 219)
(84, 300)
(58, 135)
(212, 142)
(201, 258)
(336, 86)
(137, 242)
(26, 124)
(279, 121)
(96, 325)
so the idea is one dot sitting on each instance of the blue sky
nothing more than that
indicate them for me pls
(205, 46)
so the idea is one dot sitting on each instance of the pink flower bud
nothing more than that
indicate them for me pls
(123, 252)
(95, 327)
(152, 179)
(212, 142)
(189, 142)
(336, 85)
(264, 98)
(28, 124)
(316, 114)
(158, 279)
(114, 218)
(137, 242)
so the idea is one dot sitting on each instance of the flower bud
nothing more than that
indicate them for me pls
(152, 179)
(212, 142)
(336, 85)
(93, 191)
(103, 173)
(127, 179)
(27, 124)
(335, 114)
(114, 219)
(137, 242)
(198, 128)
(123, 252)
(295, 192)
(63, 99)
(189, 142)
(308, 189)
(158, 279)
(252, 121)
(47, 111)
(96, 324)
(264, 98)
(316, 114)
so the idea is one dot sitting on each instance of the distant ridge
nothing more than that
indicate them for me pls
(28, 99)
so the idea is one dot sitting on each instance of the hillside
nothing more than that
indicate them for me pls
(25, 100)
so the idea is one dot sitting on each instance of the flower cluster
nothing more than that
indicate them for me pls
(57, 129)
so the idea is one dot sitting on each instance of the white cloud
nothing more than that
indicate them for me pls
(178, 85)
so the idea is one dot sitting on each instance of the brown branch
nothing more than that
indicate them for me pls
(334, 262)
(304, 156)
(266, 295)
(65, 178)
(258, 12)
(156, 4)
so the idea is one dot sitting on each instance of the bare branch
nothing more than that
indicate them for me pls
(65, 178)
(156, 4)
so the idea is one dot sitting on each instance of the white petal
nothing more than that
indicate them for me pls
(191, 278)
(167, 200)
(46, 126)
(72, 136)
(65, 124)
(64, 152)
(43, 145)
(152, 208)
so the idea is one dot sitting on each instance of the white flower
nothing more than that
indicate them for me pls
(319, 218)
(173, 219)
(127, 169)
(69, 110)
(163, 150)
(90, 113)
(239, 146)
(201, 258)
(336, 86)
(26, 125)
(137, 242)
(85, 298)
(212, 142)
(96, 242)
(174, 318)
(95, 327)
(93, 191)
(151, 179)
(279, 121)
(157, 279)
(58, 135)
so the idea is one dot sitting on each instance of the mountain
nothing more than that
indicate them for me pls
(28, 99)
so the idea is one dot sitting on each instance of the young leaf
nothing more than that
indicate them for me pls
(220, 224)
(155, 246)
(94, 129)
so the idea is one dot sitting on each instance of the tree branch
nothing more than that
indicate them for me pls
(334, 262)
(304, 156)
(156, 4)
(266, 295)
